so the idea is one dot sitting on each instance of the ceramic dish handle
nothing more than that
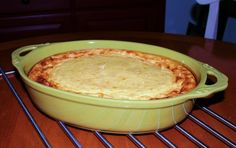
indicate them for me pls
(18, 55)
(204, 89)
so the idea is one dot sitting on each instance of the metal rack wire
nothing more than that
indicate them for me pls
(138, 143)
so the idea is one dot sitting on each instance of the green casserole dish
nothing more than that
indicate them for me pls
(108, 115)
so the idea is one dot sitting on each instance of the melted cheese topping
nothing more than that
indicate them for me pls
(114, 74)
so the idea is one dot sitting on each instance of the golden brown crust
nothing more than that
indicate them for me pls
(40, 72)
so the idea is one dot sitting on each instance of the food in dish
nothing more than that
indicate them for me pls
(115, 74)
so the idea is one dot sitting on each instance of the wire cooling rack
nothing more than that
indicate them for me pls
(138, 143)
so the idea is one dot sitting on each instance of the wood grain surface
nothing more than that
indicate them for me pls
(17, 131)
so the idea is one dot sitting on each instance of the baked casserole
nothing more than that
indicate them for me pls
(115, 74)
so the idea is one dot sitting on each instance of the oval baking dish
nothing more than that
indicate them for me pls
(110, 115)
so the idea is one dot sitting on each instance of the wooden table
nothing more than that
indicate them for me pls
(17, 131)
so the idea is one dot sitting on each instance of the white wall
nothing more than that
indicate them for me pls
(178, 15)
(230, 31)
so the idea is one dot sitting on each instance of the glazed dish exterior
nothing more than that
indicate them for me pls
(114, 115)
